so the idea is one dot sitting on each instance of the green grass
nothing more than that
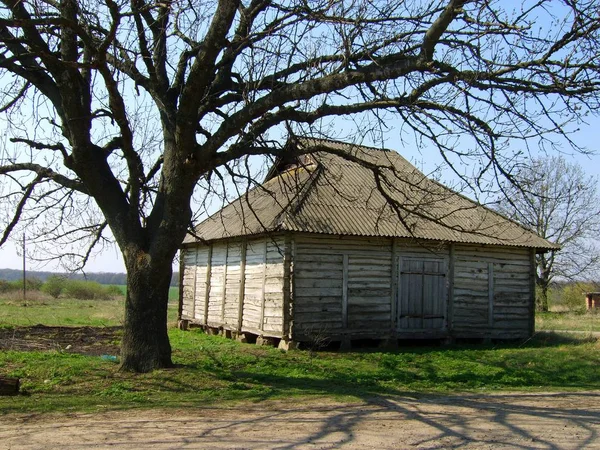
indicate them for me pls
(584, 321)
(213, 370)
(56, 312)
(66, 312)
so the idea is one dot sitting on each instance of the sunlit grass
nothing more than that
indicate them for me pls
(213, 369)
(66, 312)
(573, 321)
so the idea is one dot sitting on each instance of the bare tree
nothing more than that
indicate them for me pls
(559, 202)
(119, 110)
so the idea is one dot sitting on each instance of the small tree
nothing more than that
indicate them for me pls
(560, 203)
(54, 285)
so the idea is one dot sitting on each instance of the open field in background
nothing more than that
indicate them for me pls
(60, 377)
(39, 308)
(45, 310)
(564, 320)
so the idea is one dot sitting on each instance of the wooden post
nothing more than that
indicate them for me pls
(207, 291)
(242, 286)
(223, 297)
(399, 291)
(24, 270)
(394, 292)
(532, 271)
(287, 286)
(345, 293)
(261, 325)
(490, 294)
(194, 283)
(451, 264)
(181, 266)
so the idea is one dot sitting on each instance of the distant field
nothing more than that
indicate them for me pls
(66, 312)
(587, 321)
(42, 309)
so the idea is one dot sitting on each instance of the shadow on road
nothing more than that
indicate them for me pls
(523, 421)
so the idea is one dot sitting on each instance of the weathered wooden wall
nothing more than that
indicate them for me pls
(310, 286)
(235, 285)
(342, 286)
(187, 287)
(492, 292)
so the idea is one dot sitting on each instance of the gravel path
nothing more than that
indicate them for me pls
(472, 421)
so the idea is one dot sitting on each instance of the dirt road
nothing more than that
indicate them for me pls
(524, 421)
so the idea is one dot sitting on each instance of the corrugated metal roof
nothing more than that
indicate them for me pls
(352, 191)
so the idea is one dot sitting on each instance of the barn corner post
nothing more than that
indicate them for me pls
(288, 288)
(394, 297)
(450, 314)
(242, 287)
(532, 285)
(182, 324)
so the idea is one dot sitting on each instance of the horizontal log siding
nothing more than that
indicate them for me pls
(319, 296)
(501, 313)
(188, 256)
(354, 298)
(370, 289)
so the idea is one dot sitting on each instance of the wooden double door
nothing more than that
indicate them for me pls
(422, 294)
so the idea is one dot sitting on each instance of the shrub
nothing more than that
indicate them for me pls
(89, 290)
(572, 296)
(54, 285)
(114, 291)
(84, 290)
(31, 284)
(5, 286)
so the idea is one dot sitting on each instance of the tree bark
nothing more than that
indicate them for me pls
(145, 344)
(542, 301)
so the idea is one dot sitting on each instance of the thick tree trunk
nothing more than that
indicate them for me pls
(542, 299)
(145, 344)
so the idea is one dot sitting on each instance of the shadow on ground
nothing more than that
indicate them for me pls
(522, 421)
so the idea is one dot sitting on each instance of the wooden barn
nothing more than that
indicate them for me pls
(321, 251)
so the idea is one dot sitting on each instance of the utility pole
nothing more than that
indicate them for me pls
(24, 268)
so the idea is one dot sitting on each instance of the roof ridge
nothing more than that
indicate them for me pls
(334, 141)
(296, 203)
